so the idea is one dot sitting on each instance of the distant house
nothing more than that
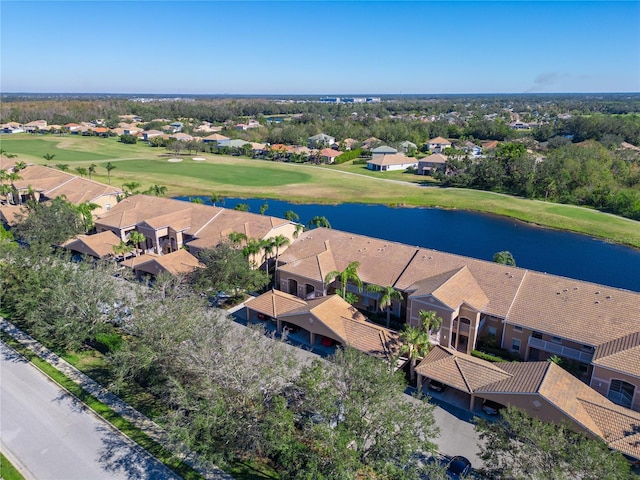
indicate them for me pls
(150, 134)
(519, 125)
(12, 127)
(184, 137)
(391, 161)
(383, 150)
(407, 146)
(236, 143)
(489, 144)
(471, 149)
(432, 163)
(177, 126)
(320, 140)
(34, 126)
(218, 139)
(438, 144)
(328, 155)
(370, 143)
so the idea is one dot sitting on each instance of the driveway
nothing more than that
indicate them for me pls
(49, 435)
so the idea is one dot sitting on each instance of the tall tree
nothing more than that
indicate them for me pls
(387, 295)
(520, 447)
(263, 208)
(131, 188)
(319, 221)
(91, 169)
(157, 190)
(109, 166)
(122, 249)
(350, 273)
(430, 321)
(215, 198)
(48, 157)
(136, 238)
(62, 166)
(504, 257)
(252, 248)
(242, 207)
(85, 209)
(278, 242)
(82, 171)
(291, 216)
(236, 238)
(415, 345)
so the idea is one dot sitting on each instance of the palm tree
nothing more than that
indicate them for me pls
(85, 209)
(48, 157)
(242, 207)
(215, 198)
(91, 169)
(251, 249)
(130, 188)
(263, 208)
(319, 221)
(136, 238)
(82, 171)
(504, 257)
(267, 247)
(415, 345)
(299, 228)
(389, 294)
(157, 190)
(19, 166)
(349, 273)
(122, 249)
(430, 321)
(291, 216)
(197, 200)
(109, 166)
(5, 154)
(278, 241)
(236, 238)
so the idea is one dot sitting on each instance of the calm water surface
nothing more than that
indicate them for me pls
(476, 235)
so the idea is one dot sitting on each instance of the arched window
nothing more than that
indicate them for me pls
(621, 392)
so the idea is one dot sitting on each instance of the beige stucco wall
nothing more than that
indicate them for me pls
(103, 201)
(311, 324)
(601, 380)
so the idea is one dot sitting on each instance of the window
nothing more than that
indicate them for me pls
(492, 331)
(517, 328)
(107, 207)
(621, 392)
(556, 339)
(537, 335)
(515, 345)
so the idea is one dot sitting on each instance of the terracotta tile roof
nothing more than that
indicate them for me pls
(381, 261)
(392, 159)
(584, 312)
(314, 267)
(498, 282)
(462, 372)
(98, 245)
(453, 289)
(435, 158)
(622, 354)
(9, 214)
(618, 426)
(178, 262)
(275, 303)
(330, 152)
(349, 326)
(440, 140)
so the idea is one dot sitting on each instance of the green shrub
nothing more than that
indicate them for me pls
(108, 342)
(488, 357)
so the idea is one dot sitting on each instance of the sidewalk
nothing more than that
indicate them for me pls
(136, 418)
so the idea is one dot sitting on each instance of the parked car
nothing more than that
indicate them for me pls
(491, 408)
(437, 386)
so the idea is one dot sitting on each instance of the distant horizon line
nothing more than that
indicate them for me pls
(175, 94)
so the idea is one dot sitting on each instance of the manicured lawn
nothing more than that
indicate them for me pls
(250, 178)
(8, 471)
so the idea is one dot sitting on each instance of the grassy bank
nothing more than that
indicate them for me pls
(8, 471)
(347, 183)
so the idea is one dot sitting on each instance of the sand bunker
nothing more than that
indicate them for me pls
(174, 160)
(199, 159)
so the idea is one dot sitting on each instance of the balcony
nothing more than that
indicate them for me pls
(560, 350)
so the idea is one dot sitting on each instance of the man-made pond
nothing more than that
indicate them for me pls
(475, 235)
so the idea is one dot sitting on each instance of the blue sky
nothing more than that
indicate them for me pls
(216, 47)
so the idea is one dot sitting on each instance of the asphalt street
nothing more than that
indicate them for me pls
(49, 435)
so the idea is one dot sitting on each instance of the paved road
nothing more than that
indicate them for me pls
(49, 435)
